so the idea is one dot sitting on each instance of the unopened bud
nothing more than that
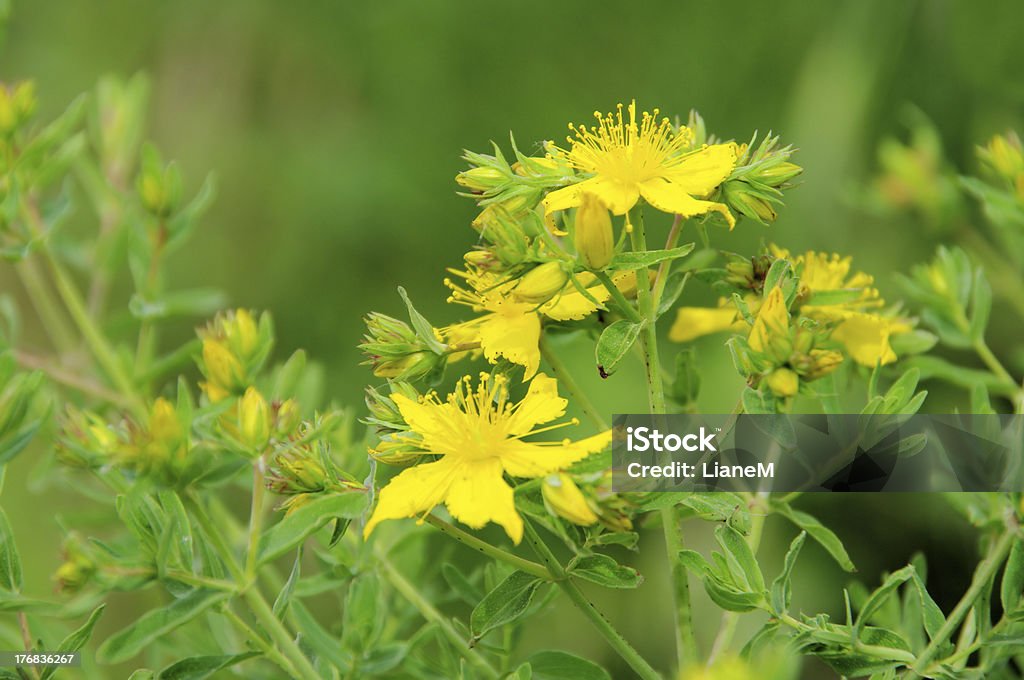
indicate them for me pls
(481, 180)
(254, 420)
(541, 283)
(564, 498)
(778, 174)
(593, 235)
(783, 382)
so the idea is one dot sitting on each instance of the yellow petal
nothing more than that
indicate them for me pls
(700, 172)
(425, 418)
(571, 304)
(695, 322)
(866, 338)
(772, 319)
(479, 495)
(671, 197)
(540, 405)
(522, 459)
(513, 335)
(415, 491)
(617, 196)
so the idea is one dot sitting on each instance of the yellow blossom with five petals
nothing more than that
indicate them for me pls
(478, 434)
(625, 160)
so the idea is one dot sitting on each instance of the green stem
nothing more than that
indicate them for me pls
(614, 638)
(279, 634)
(61, 375)
(983, 576)
(268, 649)
(252, 595)
(624, 305)
(686, 640)
(497, 553)
(259, 489)
(727, 628)
(428, 612)
(575, 394)
(663, 268)
(57, 327)
(98, 344)
(649, 333)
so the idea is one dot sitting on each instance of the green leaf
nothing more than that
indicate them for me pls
(605, 571)
(319, 640)
(776, 274)
(284, 598)
(142, 674)
(507, 602)
(820, 533)
(556, 665)
(295, 528)
(10, 559)
(755, 402)
(631, 260)
(685, 386)
(202, 667)
(881, 595)
(459, 584)
(981, 305)
(362, 616)
(782, 587)
(424, 331)
(627, 539)
(1012, 588)
(934, 367)
(157, 623)
(740, 558)
(76, 640)
(721, 507)
(931, 614)
(614, 343)
(917, 341)
(195, 302)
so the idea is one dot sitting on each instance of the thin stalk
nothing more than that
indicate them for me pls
(256, 511)
(97, 342)
(62, 375)
(565, 377)
(524, 565)
(268, 649)
(251, 593)
(686, 640)
(279, 634)
(649, 334)
(624, 305)
(663, 268)
(428, 612)
(57, 327)
(983, 576)
(614, 638)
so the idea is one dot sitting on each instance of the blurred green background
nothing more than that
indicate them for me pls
(335, 130)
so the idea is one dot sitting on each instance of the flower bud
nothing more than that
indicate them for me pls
(783, 382)
(823, 362)
(254, 420)
(287, 416)
(743, 199)
(159, 185)
(593, 235)
(17, 104)
(1003, 154)
(541, 283)
(481, 180)
(777, 174)
(223, 370)
(564, 499)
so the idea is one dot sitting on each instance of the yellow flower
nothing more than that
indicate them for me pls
(593, 235)
(696, 322)
(510, 328)
(772, 321)
(624, 161)
(783, 382)
(478, 435)
(866, 337)
(565, 499)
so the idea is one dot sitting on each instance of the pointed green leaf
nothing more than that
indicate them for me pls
(296, 527)
(614, 343)
(507, 602)
(605, 571)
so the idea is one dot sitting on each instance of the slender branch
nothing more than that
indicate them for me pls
(267, 648)
(663, 268)
(624, 305)
(46, 305)
(686, 641)
(524, 565)
(614, 638)
(566, 379)
(69, 378)
(256, 511)
(983, 575)
(649, 334)
(428, 612)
